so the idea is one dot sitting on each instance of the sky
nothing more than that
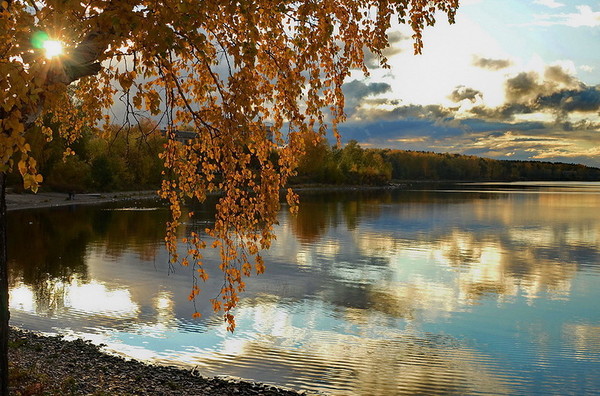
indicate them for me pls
(511, 79)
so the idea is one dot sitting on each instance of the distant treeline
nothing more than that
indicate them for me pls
(356, 165)
(128, 160)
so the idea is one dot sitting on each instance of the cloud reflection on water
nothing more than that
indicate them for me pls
(353, 287)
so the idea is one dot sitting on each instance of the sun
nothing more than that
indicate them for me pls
(53, 48)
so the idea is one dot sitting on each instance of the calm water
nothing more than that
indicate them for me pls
(491, 289)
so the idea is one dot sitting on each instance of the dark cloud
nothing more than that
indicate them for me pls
(557, 92)
(462, 93)
(529, 86)
(586, 99)
(432, 112)
(559, 75)
(356, 91)
(480, 125)
(383, 101)
(396, 37)
(504, 112)
(492, 64)
(523, 87)
(581, 125)
(384, 133)
(416, 111)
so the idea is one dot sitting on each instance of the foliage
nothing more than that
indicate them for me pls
(124, 159)
(417, 165)
(129, 160)
(225, 68)
(71, 175)
(350, 165)
(363, 166)
(354, 165)
(318, 164)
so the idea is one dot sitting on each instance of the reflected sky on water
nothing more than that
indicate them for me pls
(488, 288)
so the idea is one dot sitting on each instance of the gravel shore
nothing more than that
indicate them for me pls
(41, 365)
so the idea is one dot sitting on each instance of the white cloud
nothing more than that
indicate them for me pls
(549, 3)
(566, 153)
(587, 68)
(584, 16)
(446, 63)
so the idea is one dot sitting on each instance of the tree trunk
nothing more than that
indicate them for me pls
(4, 314)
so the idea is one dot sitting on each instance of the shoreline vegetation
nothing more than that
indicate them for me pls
(131, 162)
(51, 365)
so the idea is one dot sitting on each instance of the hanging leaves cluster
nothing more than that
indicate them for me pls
(250, 77)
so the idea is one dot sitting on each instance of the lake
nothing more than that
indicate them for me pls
(489, 288)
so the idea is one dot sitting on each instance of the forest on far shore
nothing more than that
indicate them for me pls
(129, 160)
(353, 164)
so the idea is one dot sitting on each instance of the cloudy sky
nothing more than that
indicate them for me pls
(512, 79)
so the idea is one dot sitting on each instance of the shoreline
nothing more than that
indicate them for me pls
(40, 200)
(28, 200)
(51, 365)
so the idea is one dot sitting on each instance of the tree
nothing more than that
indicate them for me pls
(225, 67)
(317, 165)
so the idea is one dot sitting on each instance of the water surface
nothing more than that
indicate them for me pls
(488, 288)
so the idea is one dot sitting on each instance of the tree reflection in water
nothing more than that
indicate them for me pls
(48, 248)
(364, 293)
